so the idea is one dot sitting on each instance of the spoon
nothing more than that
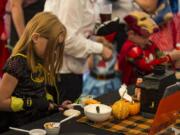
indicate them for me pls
(19, 129)
(30, 132)
(75, 104)
(57, 124)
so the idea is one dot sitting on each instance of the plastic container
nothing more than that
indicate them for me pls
(50, 129)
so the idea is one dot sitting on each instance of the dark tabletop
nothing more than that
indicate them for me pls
(71, 126)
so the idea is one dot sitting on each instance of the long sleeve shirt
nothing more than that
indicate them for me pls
(79, 17)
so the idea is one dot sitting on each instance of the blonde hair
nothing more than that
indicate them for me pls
(48, 26)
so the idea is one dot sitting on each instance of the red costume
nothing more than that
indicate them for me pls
(138, 60)
(135, 61)
(3, 51)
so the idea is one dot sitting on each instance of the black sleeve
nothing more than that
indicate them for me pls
(15, 66)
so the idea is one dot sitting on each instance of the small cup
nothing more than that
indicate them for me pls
(105, 12)
(50, 129)
(37, 132)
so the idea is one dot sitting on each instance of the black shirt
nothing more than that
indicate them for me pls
(29, 84)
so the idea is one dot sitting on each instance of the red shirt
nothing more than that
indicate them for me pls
(135, 62)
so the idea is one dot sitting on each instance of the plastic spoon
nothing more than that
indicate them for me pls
(70, 106)
(75, 104)
(30, 132)
(18, 129)
(57, 124)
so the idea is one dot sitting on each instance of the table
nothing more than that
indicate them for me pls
(71, 126)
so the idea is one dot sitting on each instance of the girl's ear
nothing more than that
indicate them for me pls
(35, 37)
(61, 38)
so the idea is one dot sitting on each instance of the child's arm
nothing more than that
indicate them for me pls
(116, 66)
(117, 70)
(7, 86)
(15, 104)
(175, 55)
(90, 62)
(7, 19)
(138, 60)
(18, 15)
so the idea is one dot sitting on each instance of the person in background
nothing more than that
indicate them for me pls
(147, 5)
(104, 75)
(21, 12)
(139, 55)
(31, 68)
(79, 17)
(120, 8)
(161, 12)
(166, 15)
(175, 56)
(169, 31)
(4, 54)
(174, 6)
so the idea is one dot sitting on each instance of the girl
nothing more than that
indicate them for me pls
(31, 67)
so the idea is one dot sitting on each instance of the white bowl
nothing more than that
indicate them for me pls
(37, 132)
(48, 126)
(91, 112)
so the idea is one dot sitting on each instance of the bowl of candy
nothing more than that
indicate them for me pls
(97, 112)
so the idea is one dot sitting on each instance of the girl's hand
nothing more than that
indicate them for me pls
(52, 106)
(65, 105)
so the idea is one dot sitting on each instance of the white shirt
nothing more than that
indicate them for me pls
(79, 17)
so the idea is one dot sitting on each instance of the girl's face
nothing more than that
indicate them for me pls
(40, 44)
